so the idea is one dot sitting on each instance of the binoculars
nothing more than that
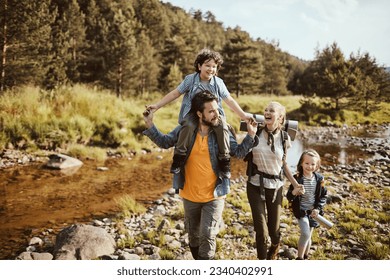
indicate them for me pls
(290, 126)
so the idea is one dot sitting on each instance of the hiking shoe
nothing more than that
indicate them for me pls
(177, 164)
(195, 252)
(273, 251)
(225, 175)
(175, 170)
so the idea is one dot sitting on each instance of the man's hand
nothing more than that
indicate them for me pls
(249, 118)
(148, 117)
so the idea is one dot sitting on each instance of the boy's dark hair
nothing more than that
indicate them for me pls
(197, 103)
(205, 55)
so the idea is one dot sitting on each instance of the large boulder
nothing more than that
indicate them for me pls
(83, 242)
(60, 161)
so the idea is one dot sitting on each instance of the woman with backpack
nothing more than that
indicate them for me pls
(266, 166)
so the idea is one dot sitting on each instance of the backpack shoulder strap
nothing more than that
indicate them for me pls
(259, 130)
(284, 138)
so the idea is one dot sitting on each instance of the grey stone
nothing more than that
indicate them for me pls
(128, 256)
(24, 256)
(42, 256)
(83, 242)
(60, 161)
(36, 241)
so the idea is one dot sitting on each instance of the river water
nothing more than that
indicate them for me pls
(33, 198)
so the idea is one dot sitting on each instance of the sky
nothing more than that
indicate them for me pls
(303, 26)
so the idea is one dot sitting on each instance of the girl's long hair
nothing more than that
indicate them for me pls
(312, 153)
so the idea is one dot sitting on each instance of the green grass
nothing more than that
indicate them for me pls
(34, 119)
(367, 191)
(355, 218)
(82, 151)
(77, 115)
(291, 241)
(128, 242)
(178, 212)
(167, 254)
(129, 206)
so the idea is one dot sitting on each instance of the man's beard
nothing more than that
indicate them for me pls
(212, 123)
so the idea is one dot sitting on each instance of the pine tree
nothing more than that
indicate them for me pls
(275, 70)
(174, 77)
(154, 21)
(329, 75)
(242, 61)
(25, 36)
(371, 83)
(144, 71)
(122, 44)
(92, 66)
(110, 31)
(68, 43)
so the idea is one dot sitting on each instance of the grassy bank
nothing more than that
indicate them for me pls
(357, 232)
(84, 122)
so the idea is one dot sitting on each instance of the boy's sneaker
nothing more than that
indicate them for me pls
(224, 165)
(177, 164)
(175, 170)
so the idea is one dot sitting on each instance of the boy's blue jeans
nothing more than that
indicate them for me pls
(202, 222)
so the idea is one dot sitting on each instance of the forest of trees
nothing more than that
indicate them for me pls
(136, 47)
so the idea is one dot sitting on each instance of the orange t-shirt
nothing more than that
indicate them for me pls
(200, 178)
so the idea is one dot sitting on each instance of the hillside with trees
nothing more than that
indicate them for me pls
(134, 48)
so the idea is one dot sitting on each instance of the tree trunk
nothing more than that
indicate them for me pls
(119, 79)
(4, 50)
(73, 42)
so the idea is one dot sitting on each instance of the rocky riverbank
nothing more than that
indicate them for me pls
(358, 205)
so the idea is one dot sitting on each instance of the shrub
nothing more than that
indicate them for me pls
(129, 206)
(166, 254)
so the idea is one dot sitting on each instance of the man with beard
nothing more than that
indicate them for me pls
(202, 191)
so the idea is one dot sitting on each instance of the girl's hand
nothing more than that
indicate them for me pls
(314, 213)
(299, 190)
